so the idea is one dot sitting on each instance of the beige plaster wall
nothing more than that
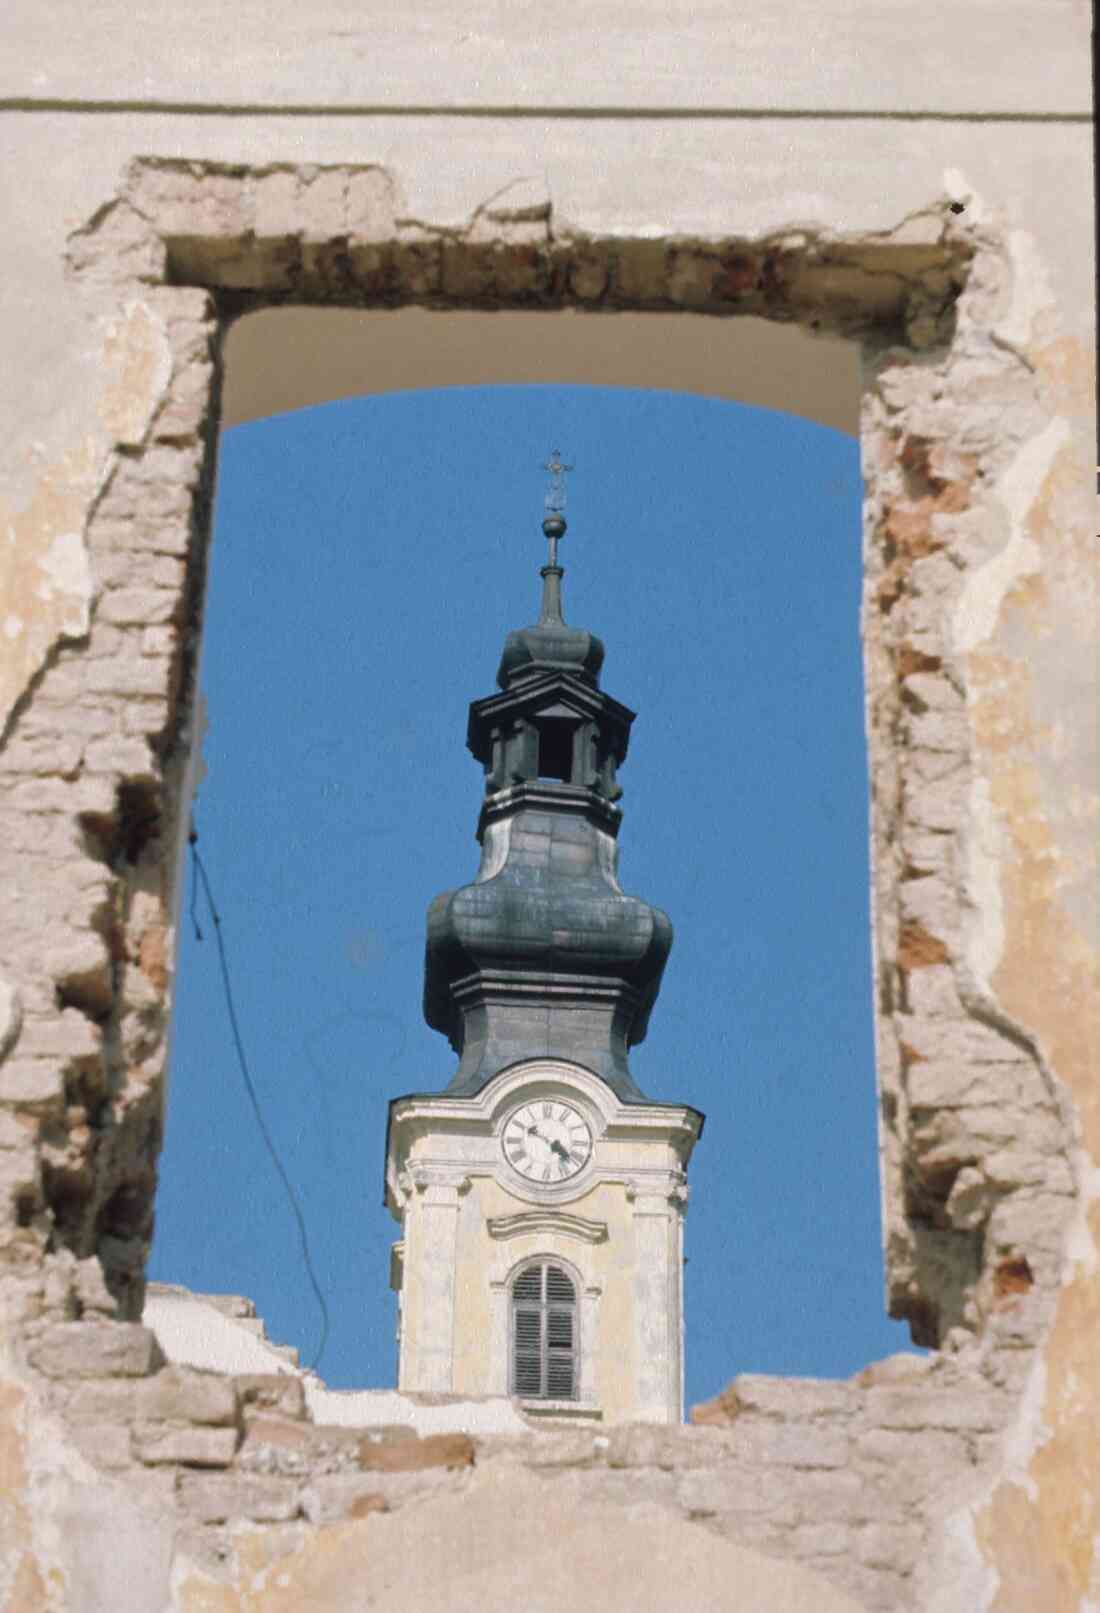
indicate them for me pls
(468, 1222)
(609, 1264)
(668, 164)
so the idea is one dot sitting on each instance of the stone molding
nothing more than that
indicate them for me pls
(435, 1184)
(547, 1220)
(652, 1194)
(478, 1121)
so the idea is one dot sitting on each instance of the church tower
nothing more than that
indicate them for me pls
(541, 1195)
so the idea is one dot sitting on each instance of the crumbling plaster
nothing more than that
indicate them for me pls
(972, 308)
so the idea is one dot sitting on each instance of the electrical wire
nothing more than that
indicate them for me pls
(198, 872)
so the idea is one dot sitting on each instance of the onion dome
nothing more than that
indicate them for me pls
(543, 954)
(551, 643)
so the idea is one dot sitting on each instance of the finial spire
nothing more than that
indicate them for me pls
(555, 494)
(553, 524)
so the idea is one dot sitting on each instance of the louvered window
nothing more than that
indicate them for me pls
(544, 1334)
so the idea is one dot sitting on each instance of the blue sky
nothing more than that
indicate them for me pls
(369, 558)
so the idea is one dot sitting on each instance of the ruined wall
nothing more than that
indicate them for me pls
(839, 1479)
(930, 242)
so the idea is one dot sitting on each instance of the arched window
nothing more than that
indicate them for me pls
(544, 1333)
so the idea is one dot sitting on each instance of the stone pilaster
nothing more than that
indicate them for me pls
(427, 1359)
(658, 1290)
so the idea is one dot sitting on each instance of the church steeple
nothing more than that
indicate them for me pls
(553, 526)
(543, 954)
(550, 643)
(541, 1196)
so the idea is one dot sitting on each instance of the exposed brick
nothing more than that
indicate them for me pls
(284, 1445)
(570, 1447)
(129, 757)
(800, 1398)
(409, 1455)
(37, 1083)
(942, 1083)
(892, 1546)
(106, 1445)
(280, 1432)
(57, 795)
(821, 1540)
(655, 1445)
(921, 1406)
(160, 640)
(61, 724)
(166, 572)
(931, 991)
(721, 1410)
(219, 1497)
(145, 716)
(103, 1400)
(900, 1368)
(364, 1505)
(829, 1495)
(184, 1394)
(277, 1393)
(16, 1131)
(789, 1444)
(735, 1489)
(967, 1040)
(45, 754)
(186, 407)
(275, 204)
(588, 278)
(370, 205)
(96, 1350)
(191, 1447)
(336, 1496)
(107, 640)
(142, 677)
(917, 949)
(68, 1035)
(139, 606)
(918, 1453)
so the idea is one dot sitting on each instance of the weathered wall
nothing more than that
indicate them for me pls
(157, 192)
(251, 1501)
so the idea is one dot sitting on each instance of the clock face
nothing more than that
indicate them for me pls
(547, 1141)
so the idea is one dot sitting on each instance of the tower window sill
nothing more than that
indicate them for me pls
(574, 1411)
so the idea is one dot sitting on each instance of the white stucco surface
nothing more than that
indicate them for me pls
(1020, 57)
(194, 1333)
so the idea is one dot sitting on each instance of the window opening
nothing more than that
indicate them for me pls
(544, 1334)
(556, 749)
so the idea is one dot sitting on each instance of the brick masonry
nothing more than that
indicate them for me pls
(978, 1137)
(846, 1478)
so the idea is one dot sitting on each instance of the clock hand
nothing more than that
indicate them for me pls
(556, 1148)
